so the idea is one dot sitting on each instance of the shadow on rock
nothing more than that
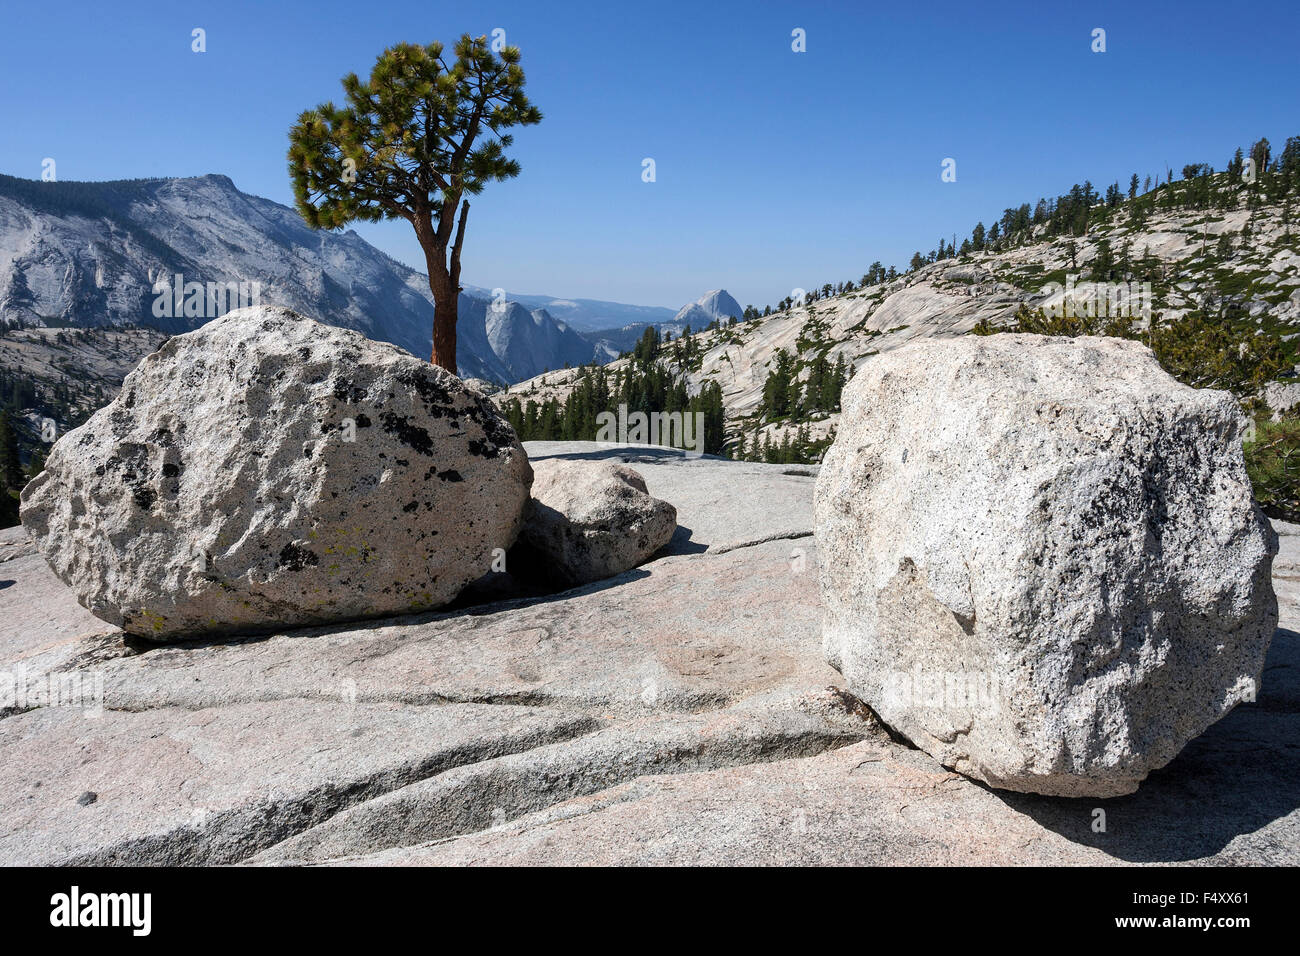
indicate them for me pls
(530, 581)
(628, 455)
(1235, 779)
(681, 543)
(491, 594)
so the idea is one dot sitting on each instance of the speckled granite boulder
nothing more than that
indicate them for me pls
(1041, 559)
(267, 471)
(592, 520)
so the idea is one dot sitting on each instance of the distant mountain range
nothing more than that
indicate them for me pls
(585, 315)
(715, 305)
(123, 253)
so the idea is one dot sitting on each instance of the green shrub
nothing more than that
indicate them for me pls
(1201, 349)
(1273, 463)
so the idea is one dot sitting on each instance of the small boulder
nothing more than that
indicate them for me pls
(592, 520)
(267, 471)
(1041, 560)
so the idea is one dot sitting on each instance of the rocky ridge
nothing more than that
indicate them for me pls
(950, 297)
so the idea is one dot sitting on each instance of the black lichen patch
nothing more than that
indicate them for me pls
(440, 401)
(437, 397)
(345, 391)
(362, 420)
(412, 436)
(451, 474)
(411, 506)
(144, 496)
(171, 469)
(296, 558)
(496, 430)
(483, 449)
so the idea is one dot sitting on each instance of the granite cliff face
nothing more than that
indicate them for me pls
(717, 305)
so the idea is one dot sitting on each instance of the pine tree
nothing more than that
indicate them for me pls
(1260, 152)
(1104, 262)
(840, 379)
(777, 388)
(1235, 166)
(411, 143)
(11, 463)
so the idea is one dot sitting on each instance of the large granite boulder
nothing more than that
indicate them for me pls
(591, 520)
(267, 471)
(1041, 558)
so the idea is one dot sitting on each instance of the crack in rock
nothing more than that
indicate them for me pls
(485, 795)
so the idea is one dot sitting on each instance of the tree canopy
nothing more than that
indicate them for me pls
(423, 132)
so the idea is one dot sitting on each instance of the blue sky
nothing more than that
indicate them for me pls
(775, 169)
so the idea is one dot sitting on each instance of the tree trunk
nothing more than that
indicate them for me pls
(446, 301)
(444, 279)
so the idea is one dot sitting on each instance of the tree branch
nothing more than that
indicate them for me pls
(455, 250)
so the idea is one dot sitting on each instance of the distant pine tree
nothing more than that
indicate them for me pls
(11, 463)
